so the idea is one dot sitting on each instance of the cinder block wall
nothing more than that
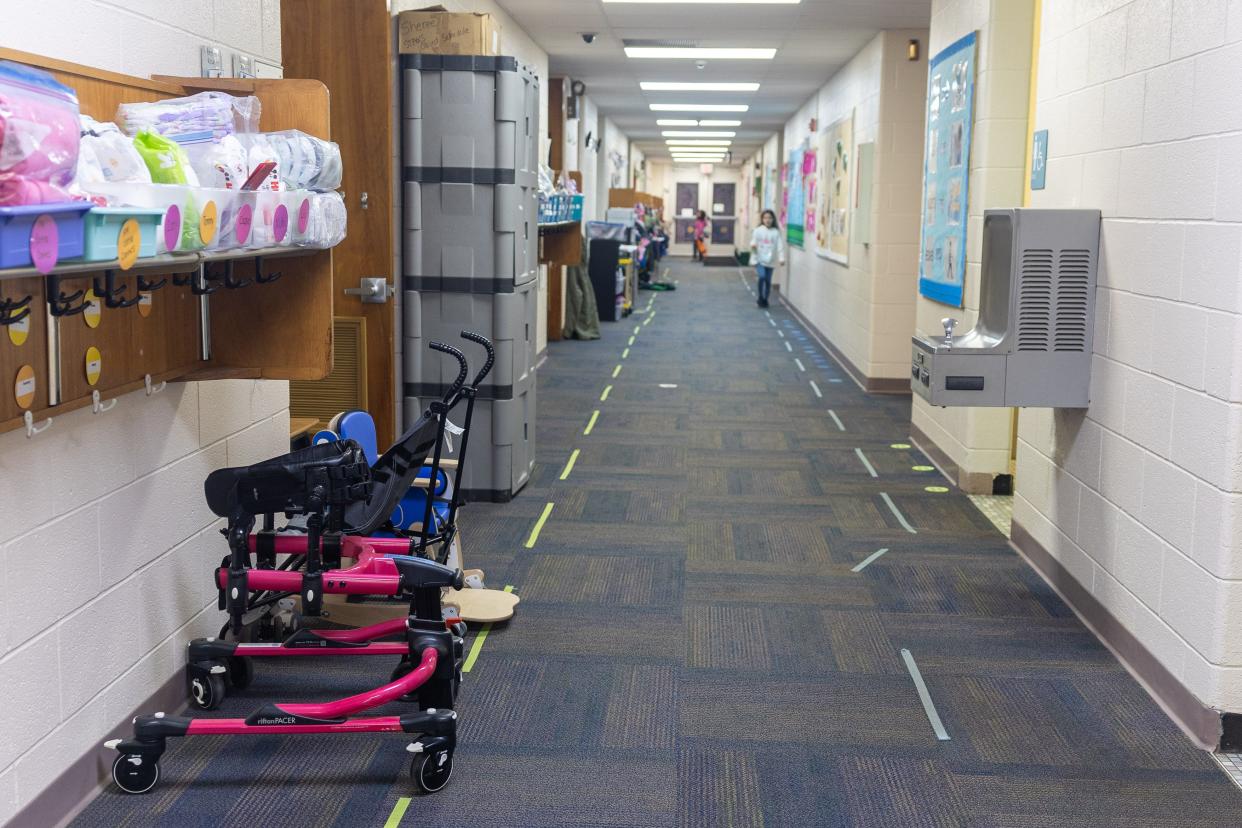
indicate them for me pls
(866, 307)
(977, 440)
(106, 544)
(1140, 496)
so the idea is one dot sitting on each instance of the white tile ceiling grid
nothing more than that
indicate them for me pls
(813, 40)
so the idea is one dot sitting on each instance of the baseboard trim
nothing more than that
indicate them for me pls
(872, 385)
(1204, 725)
(968, 482)
(66, 798)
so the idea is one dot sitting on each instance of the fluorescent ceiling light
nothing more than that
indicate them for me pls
(719, 123)
(678, 122)
(698, 154)
(698, 53)
(694, 133)
(660, 86)
(718, 2)
(690, 107)
(698, 142)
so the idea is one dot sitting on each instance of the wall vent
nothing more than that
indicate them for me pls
(1035, 300)
(1073, 280)
(343, 389)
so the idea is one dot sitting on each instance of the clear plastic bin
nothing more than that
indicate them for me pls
(182, 207)
(103, 229)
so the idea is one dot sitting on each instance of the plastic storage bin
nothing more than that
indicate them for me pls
(470, 238)
(575, 207)
(102, 229)
(508, 319)
(182, 207)
(502, 444)
(17, 223)
(469, 119)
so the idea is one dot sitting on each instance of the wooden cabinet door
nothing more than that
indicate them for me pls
(347, 44)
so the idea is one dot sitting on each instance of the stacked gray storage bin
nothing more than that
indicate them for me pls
(470, 249)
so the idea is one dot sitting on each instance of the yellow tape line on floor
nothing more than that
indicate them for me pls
(625, 354)
(573, 458)
(604, 395)
(534, 533)
(616, 371)
(591, 424)
(473, 655)
(398, 811)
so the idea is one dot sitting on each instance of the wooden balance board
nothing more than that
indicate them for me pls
(481, 606)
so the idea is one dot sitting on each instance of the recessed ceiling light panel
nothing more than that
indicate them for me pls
(693, 107)
(661, 86)
(698, 53)
(694, 133)
(679, 122)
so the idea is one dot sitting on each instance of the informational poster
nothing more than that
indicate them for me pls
(946, 172)
(795, 199)
(770, 174)
(810, 189)
(836, 152)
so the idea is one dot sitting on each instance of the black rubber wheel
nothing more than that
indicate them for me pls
(241, 672)
(431, 771)
(207, 693)
(135, 774)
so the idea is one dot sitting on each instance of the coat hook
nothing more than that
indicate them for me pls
(99, 405)
(14, 311)
(152, 387)
(112, 296)
(258, 273)
(61, 304)
(31, 428)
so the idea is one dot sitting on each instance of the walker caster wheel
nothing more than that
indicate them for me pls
(207, 693)
(431, 771)
(136, 774)
(241, 672)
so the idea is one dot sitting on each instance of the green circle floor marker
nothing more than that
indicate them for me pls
(900, 445)
(936, 489)
(923, 468)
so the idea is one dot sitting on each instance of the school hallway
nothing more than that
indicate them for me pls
(708, 635)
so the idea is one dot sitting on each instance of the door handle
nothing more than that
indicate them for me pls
(373, 290)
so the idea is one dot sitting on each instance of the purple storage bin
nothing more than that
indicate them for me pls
(16, 224)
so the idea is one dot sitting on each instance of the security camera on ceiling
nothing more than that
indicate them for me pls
(588, 37)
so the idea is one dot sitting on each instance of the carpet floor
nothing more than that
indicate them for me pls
(744, 581)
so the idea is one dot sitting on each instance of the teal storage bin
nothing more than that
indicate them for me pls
(103, 226)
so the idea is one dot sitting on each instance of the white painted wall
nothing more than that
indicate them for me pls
(663, 177)
(1140, 496)
(106, 544)
(866, 308)
(977, 439)
(589, 124)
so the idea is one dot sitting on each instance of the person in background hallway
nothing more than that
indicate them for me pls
(700, 237)
(768, 248)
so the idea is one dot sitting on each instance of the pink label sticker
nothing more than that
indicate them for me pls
(172, 228)
(280, 223)
(245, 218)
(44, 244)
(303, 216)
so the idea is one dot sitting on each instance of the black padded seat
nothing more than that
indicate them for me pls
(284, 484)
(391, 477)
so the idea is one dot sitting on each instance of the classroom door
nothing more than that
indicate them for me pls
(687, 198)
(724, 213)
(347, 46)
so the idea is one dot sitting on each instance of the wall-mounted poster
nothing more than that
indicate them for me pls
(785, 195)
(836, 149)
(946, 172)
(795, 199)
(769, 186)
(810, 189)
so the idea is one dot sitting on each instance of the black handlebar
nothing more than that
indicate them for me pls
(491, 354)
(461, 361)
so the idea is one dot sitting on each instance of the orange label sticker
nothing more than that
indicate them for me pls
(24, 387)
(93, 314)
(94, 365)
(207, 223)
(145, 300)
(127, 243)
(19, 331)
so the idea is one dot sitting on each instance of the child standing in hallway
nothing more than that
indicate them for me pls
(700, 237)
(768, 248)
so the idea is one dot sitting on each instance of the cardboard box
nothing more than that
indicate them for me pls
(435, 31)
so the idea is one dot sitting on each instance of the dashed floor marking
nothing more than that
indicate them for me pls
(604, 395)
(798, 362)
(591, 425)
(573, 458)
(867, 561)
(815, 388)
(836, 419)
(870, 468)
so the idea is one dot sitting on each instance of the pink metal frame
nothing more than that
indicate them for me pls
(372, 574)
(333, 710)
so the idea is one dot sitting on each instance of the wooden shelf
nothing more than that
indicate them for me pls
(278, 330)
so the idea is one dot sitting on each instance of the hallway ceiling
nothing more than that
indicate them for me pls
(813, 39)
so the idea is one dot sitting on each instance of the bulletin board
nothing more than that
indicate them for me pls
(769, 185)
(946, 172)
(836, 151)
(795, 200)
